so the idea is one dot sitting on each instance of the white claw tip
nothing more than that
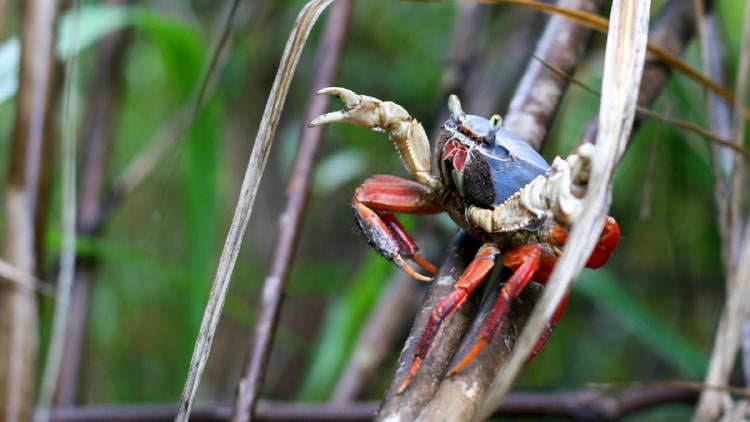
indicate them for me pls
(348, 97)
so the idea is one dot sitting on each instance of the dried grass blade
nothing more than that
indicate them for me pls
(66, 273)
(737, 307)
(263, 140)
(623, 66)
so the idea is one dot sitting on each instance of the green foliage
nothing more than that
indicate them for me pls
(636, 318)
(341, 327)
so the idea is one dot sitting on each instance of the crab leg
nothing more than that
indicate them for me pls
(606, 245)
(374, 203)
(551, 324)
(406, 133)
(524, 260)
(531, 261)
(475, 273)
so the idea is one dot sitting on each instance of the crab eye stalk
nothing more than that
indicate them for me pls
(494, 124)
(454, 106)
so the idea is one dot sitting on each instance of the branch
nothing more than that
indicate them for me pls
(671, 31)
(540, 91)
(580, 404)
(424, 384)
(24, 208)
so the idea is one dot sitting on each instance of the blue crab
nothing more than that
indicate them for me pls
(492, 184)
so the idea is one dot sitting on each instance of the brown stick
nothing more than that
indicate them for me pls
(540, 91)
(409, 404)
(671, 31)
(31, 131)
(327, 59)
(581, 405)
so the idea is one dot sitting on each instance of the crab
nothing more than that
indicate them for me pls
(492, 184)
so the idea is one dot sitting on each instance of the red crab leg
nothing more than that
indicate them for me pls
(524, 260)
(473, 276)
(374, 203)
(608, 241)
(531, 261)
(547, 261)
(551, 324)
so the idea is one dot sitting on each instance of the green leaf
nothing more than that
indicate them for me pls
(199, 175)
(77, 32)
(602, 288)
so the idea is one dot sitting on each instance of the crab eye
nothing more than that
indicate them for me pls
(495, 122)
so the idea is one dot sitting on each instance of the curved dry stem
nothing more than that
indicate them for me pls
(248, 191)
(290, 221)
(623, 67)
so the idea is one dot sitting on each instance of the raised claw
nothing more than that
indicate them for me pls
(363, 110)
(406, 133)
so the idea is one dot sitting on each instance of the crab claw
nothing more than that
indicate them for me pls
(363, 111)
(406, 133)
(347, 96)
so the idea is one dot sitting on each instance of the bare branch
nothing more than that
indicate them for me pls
(23, 212)
(538, 96)
(24, 280)
(582, 404)
(424, 384)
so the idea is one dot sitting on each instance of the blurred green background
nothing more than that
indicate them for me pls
(649, 314)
